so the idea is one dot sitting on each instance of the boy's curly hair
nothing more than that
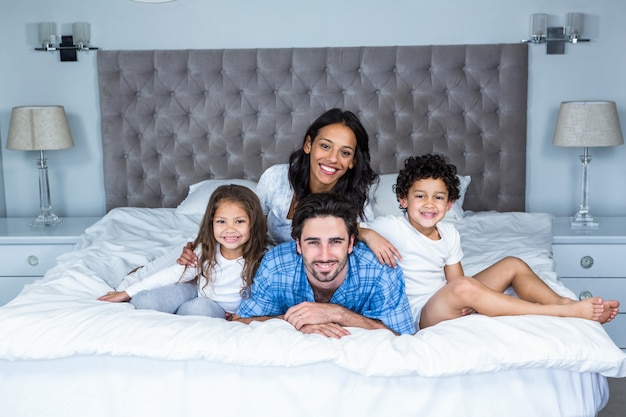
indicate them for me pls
(427, 166)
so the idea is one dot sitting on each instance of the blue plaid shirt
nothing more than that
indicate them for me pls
(371, 289)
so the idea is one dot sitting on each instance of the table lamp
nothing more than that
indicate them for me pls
(40, 128)
(587, 124)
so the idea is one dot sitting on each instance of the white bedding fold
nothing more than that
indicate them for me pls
(59, 316)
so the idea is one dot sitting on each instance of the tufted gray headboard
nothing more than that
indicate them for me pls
(171, 118)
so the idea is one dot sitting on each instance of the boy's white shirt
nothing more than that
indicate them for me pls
(423, 259)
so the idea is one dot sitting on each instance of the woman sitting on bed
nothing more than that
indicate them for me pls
(334, 157)
(230, 244)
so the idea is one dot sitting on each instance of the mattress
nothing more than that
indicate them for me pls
(76, 354)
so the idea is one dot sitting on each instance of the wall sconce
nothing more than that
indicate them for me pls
(555, 37)
(78, 41)
(587, 124)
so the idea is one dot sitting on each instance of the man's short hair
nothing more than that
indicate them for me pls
(324, 205)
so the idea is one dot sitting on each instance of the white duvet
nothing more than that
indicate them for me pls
(59, 315)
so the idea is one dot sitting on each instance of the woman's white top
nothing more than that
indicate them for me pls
(275, 194)
(225, 288)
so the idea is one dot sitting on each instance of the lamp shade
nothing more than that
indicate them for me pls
(588, 124)
(39, 128)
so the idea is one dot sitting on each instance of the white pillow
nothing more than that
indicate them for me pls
(384, 202)
(199, 193)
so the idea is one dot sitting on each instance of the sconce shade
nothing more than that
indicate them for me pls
(538, 25)
(81, 32)
(39, 128)
(574, 26)
(588, 124)
(47, 33)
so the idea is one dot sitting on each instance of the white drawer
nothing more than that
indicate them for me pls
(610, 289)
(590, 260)
(616, 329)
(29, 260)
(607, 288)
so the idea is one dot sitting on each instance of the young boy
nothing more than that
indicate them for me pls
(431, 258)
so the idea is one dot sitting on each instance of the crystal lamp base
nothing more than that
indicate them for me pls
(47, 219)
(583, 220)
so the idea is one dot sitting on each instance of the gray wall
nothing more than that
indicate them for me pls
(592, 70)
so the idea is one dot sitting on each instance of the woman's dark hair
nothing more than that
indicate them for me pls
(325, 205)
(427, 166)
(355, 183)
(253, 249)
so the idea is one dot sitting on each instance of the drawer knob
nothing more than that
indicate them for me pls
(32, 260)
(584, 295)
(586, 262)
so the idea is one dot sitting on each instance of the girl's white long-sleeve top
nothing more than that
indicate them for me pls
(225, 288)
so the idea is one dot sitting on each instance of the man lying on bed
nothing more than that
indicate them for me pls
(326, 280)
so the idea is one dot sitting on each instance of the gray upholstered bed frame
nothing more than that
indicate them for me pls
(172, 118)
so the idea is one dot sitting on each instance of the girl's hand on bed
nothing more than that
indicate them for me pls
(115, 297)
(188, 257)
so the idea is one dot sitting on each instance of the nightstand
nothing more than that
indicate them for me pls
(27, 252)
(593, 262)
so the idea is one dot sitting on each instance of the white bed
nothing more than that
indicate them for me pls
(66, 354)
(173, 118)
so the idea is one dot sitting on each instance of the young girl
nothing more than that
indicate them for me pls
(230, 244)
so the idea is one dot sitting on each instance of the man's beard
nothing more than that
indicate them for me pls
(327, 276)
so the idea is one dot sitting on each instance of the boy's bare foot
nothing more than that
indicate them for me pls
(611, 308)
(590, 309)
